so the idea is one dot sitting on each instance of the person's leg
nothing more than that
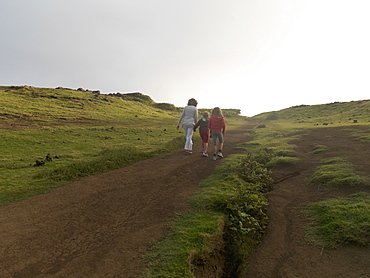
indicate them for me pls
(203, 142)
(189, 141)
(214, 139)
(204, 136)
(220, 145)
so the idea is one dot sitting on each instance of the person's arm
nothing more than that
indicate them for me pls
(223, 126)
(197, 125)
(196, 115)
(180, 119)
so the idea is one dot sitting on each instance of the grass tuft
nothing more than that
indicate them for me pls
(282, 161)
(340, 221)
(192, 235)
(336, 173)
(319, 149)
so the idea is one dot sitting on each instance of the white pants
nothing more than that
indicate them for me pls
(189, 136)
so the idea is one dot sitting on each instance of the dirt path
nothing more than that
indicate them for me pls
(100, 226)
(283, 254)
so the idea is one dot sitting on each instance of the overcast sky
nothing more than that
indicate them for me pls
(254, 55)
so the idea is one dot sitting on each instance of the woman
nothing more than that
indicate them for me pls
(189, 116)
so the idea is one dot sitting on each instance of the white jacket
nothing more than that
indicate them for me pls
(189, 115)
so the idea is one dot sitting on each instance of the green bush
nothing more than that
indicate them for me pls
(165, 106)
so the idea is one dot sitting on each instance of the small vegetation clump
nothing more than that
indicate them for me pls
(277, 141)
(281, 161)
(335, 173)
(318, 149)
(193, 235)
(340, 221)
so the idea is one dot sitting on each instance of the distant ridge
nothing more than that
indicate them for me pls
(323, 114)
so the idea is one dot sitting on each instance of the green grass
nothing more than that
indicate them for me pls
(193, 235)
(318, 149)
(276, 138)
(76, 150)
(363, 134)
(84, 132)
(336, 173)
(337, 113)
(230, 203)
(340, 221)
(282, 161)
(87, 133)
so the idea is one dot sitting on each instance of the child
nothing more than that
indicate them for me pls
(217, 126)
(203, 132)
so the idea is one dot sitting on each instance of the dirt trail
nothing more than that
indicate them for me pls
(283, 253)
(101, 225)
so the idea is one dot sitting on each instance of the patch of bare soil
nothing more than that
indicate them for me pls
(283, 254)
(102, 225)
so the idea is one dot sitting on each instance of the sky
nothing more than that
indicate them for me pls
(253, 55)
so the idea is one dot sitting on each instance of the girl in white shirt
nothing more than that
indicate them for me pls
(189, 116)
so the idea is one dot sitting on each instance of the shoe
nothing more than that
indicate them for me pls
(188, 152)
(205, 154)
(220, 154)
(214, 157)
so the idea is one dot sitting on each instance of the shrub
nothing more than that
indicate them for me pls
(165, 106)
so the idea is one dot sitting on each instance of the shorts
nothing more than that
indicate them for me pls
(204, 135)
(215, 135)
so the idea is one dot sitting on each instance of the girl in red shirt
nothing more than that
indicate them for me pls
(217, 127)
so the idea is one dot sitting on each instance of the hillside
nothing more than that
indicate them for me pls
(330, 113)
(118, 177)
(25, 105)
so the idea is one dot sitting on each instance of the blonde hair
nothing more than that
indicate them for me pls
(217, 112)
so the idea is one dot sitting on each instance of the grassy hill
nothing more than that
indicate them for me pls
(74, 133)
(330, 113)
(83, 132)
(29, 106)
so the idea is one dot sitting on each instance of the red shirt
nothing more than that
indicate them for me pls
(217, 123)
